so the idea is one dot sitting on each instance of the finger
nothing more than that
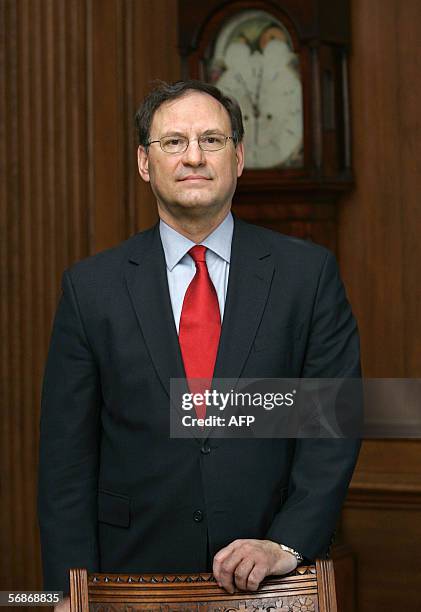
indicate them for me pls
(227, 569)
(221, 556)
(241, 573)
(256, 576)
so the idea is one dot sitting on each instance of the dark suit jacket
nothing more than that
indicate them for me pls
(115, 492)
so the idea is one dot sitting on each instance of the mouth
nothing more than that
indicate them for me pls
(195, 177)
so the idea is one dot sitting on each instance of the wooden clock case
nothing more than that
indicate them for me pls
(297, 201)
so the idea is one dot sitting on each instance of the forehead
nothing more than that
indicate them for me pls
(193, 112)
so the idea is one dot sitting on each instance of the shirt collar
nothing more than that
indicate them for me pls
(176, 245)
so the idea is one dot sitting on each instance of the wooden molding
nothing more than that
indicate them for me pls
(385, 490)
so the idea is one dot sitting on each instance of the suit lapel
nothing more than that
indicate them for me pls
(251, 272)
(148, 288)
(250, 278)
(147, 284)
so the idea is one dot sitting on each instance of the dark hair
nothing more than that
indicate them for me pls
(167, 91)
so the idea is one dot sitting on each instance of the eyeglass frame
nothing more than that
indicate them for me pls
(189, 140)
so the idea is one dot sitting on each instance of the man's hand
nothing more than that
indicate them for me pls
(244, 564)
(63, 606)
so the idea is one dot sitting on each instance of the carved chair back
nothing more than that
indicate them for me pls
(308, 589)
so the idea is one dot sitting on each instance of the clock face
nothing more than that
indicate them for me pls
(253, 61)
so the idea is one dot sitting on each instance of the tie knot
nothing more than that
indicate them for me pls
(198, 253)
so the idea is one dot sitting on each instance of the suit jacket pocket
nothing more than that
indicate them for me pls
(113, 508)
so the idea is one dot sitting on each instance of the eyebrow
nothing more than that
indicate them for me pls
(175, 133)
(213, 131)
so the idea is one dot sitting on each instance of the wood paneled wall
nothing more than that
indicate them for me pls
(380, 257)
(380, 223)
(72, 73)
(46, 215)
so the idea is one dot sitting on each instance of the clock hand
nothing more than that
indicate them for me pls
(256, 112)
(240, 79)
(259, 86)
(256, 109)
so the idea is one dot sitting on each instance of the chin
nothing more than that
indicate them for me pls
(196, 202)
(198, 209)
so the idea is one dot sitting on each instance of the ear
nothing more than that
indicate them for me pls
(239, 152)
(143, 163)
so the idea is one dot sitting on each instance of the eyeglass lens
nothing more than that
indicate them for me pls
(179, 144)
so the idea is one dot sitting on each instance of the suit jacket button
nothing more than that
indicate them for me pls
(198, 516)
(205, 450)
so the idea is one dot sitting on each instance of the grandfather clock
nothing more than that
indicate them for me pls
(285, 61)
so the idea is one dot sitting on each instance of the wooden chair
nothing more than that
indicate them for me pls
(308, 589)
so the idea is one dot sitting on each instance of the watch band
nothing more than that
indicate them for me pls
(296, 554)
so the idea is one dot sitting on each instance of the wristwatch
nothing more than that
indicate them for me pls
(296, 554)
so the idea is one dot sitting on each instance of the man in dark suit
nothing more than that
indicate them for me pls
(116, 492)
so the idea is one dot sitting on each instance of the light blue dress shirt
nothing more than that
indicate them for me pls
(181, 267)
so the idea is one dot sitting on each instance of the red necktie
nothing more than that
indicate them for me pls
(200, 327)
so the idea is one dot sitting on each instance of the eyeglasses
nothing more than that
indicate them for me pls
(179, 144)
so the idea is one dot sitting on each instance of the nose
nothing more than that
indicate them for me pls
(193, 155)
